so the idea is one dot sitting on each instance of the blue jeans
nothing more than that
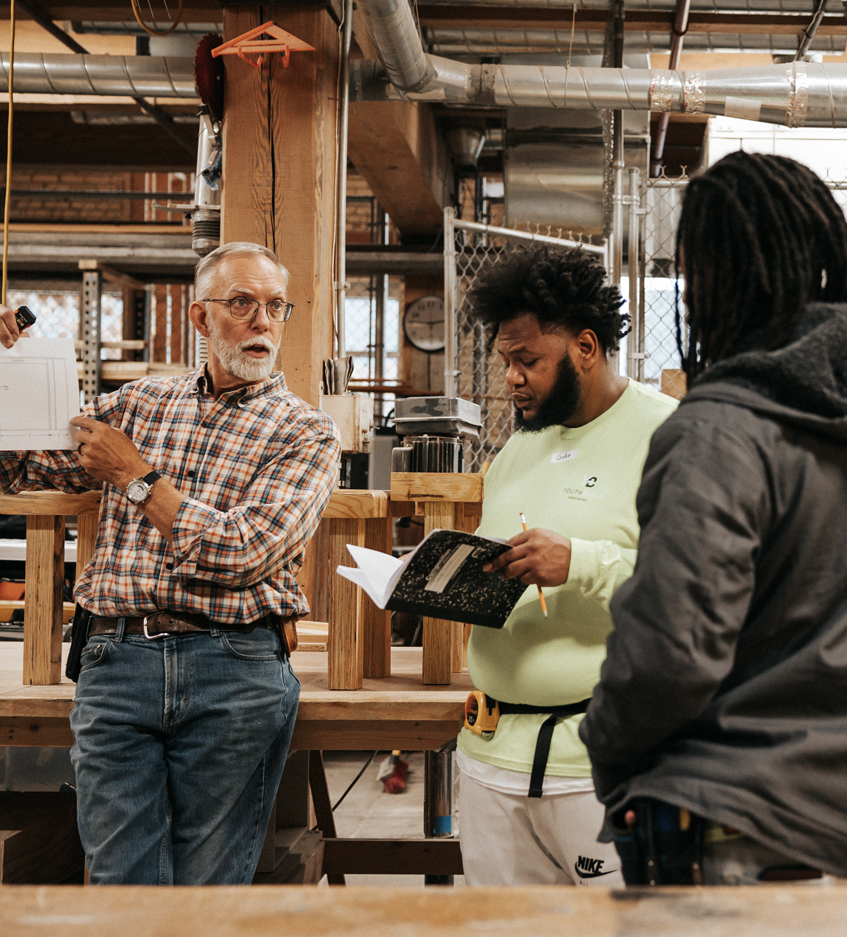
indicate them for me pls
(179, 749)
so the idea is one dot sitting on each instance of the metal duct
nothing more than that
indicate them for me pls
(124, 76)
(799, 94)
(395, 36)
(796, 95)
(465, 144)
(479, 42)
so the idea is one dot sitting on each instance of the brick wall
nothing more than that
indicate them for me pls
(91, 210)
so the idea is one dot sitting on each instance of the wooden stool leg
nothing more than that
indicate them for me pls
(45, 574)
(87, 527)
(462, 632)
(437, 634)
(344, 643)
(377, 621)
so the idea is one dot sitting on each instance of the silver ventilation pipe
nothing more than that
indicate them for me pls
(395, 36)
(124, 76)
(798, 94)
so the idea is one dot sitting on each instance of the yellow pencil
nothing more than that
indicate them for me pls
(540, 593)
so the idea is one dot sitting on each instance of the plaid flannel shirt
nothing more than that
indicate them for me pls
(256, 466)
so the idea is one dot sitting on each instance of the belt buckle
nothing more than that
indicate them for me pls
(153, 637)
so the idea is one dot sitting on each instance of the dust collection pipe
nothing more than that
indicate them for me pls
(798, 94)
(126, 76)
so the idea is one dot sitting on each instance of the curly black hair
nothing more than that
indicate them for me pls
(562, 288)
(759, 237)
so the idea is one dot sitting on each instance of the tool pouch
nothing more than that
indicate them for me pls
(659, 849)
(79, 638)
(287, 628)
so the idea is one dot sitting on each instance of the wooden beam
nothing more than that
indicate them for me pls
(436, 486)
(398, 150)
(393, 856)
(357, 503)
(362, 734)
(400, 153)
(279, 174)
(112, 275)
(50, 502)
(110, 11)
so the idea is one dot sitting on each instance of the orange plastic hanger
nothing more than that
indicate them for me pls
(249, 44)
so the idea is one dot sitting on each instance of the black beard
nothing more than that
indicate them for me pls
(561, 403)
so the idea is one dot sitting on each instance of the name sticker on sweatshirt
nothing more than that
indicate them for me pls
(563, 456)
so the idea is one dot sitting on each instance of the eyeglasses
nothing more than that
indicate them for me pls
(242, 308)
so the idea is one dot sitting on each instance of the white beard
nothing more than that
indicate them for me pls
(236, 361)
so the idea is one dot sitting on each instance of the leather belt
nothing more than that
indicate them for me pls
(162, 624)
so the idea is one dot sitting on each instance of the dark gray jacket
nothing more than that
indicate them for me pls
(725, 686)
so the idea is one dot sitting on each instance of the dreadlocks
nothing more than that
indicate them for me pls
(759, 237)
(562, 288)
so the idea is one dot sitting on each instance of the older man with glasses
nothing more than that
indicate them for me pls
(213, 484)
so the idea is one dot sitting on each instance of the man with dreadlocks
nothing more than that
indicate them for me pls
(718, 732)
(573, 469)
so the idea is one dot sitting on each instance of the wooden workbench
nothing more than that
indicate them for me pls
(551, 911)
(396, 712)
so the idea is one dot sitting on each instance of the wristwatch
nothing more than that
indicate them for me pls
(138, 490)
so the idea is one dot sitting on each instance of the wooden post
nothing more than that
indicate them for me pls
(376, 621)
(279, 169)
(45, 573)
(344, 641)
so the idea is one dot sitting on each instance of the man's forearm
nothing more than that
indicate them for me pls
(162, 507)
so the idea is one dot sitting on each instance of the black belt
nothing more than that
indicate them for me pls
(545, 733)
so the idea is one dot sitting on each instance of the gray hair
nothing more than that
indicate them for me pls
(204, 272)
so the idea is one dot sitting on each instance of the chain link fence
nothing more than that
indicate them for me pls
(58, 313)
(653, 357)
(653, 354)
(478, 376)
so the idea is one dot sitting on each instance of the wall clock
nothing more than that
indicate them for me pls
(423, 324)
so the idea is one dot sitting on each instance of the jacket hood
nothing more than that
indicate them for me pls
(804, 382)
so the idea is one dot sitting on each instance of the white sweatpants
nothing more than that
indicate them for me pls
(512, 839)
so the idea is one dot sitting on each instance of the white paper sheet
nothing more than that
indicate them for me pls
(39, 394)
(377, 573)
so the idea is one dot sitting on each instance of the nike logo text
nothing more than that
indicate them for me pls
(590, 868)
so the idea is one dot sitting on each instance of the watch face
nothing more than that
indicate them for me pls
(423, 323)
(137, 491)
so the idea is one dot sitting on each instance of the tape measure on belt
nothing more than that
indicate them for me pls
(545, 733)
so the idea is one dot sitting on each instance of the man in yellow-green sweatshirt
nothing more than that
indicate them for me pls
(528, 815)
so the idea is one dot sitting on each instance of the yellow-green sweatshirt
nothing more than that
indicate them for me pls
(580, 483)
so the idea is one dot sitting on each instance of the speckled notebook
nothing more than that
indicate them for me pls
(442, 578)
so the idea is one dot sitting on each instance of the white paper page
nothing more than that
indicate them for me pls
(376, 574)
(39, 394)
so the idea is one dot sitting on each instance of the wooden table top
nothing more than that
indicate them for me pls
(297, 911)
(398, 709)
